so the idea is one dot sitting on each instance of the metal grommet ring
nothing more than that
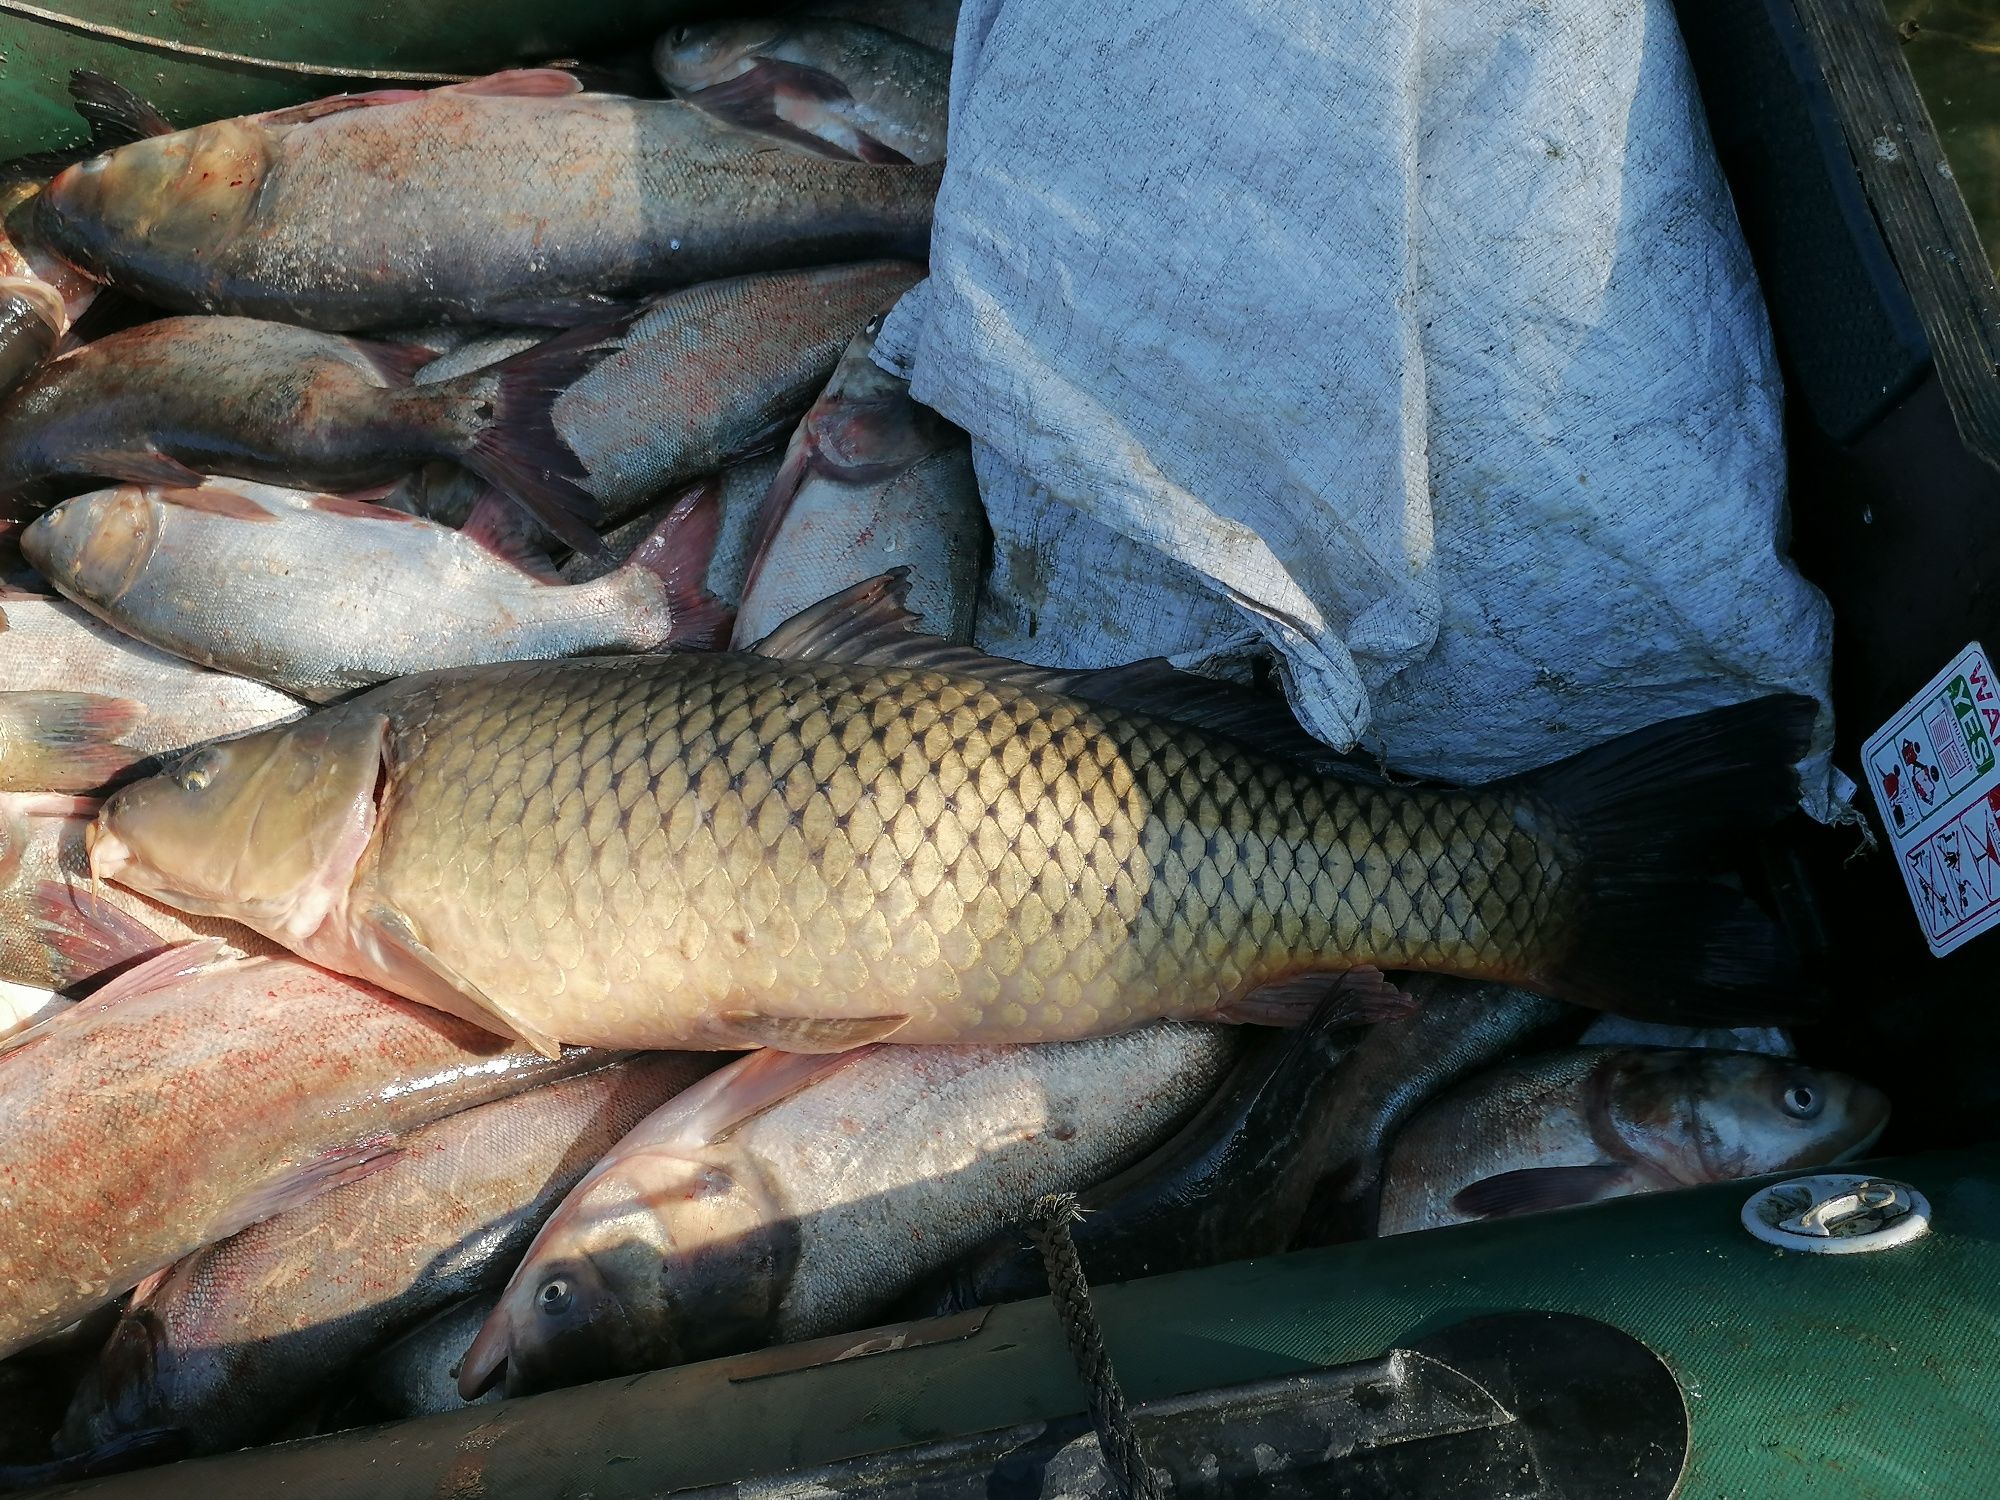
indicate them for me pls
(1837, 1213)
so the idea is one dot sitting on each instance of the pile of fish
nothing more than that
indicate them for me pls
(489, 643)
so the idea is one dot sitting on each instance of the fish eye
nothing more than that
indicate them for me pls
(677, 37)
(196, 772)
(553, 1296)
(1802, 1102)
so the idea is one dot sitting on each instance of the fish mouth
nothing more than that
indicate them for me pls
(1861, 1147)
(106, 853)
(485, 1363)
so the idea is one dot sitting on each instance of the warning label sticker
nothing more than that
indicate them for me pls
(1936, 779)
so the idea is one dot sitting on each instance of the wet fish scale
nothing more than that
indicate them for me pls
(981, 858)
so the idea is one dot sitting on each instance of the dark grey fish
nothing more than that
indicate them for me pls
(513, 199)
(1459, 1027)
(170, 401)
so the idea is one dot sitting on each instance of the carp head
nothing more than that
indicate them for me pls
(699, 56)
(265, 829)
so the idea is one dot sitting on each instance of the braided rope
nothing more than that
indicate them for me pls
(1048, 1227)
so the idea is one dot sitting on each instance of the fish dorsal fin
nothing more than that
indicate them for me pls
(727, 1100)
(520, 83)
(871, 624)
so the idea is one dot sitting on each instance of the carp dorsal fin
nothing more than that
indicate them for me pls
(430, 980)
(871, 624)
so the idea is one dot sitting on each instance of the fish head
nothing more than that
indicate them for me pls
(1704, 1115)
(157, 200)
(267, 828)
(701, 55)
(653, 1260)
(95, 546)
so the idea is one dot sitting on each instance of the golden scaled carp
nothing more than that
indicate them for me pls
(857, 833)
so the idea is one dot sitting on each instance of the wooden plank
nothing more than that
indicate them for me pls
(1923, 216)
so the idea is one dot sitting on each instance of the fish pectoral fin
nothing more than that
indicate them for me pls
(156, 975)
(727, 1100)
(443, 987)
(1357, 995)
(1533, 1189)
(301, 1182)
(145, 466)
(750, 1028)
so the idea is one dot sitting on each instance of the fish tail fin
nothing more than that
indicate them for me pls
(86, 936)
(1651, 930)
(674, 557)
(518, 450)
(67, 742)
(119, 1394)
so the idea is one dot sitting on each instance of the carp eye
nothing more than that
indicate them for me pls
(553, 1296)
(677, 37)
(1802, 1102)
(196, 772)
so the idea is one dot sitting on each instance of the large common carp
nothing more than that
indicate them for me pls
(192, 1096)
(515, 198)
(858, 833)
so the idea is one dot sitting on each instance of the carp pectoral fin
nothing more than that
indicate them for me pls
(749, 1028)
(1360, 994)
(427, 978)
(145, 466)
(1533, 1189)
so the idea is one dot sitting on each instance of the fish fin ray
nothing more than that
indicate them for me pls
(725, 1101)
(519, 451)
(1533, 1189)
(68, 742)
(152, 976)
(803, 1034)
(878, 153)
(462, 997)
(145, 466)
(115, 114)
(520, 83)
(677, 553)
(302, 1183)
(397, 364)
(86, 934)
(216, 500)
(1361, 994)
(509, 533)
(1659, 938)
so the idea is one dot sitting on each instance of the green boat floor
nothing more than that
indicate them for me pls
(1866, 1377)
(450, 36)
